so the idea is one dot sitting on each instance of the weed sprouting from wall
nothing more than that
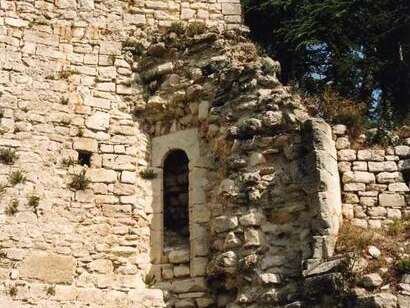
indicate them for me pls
(16, 177)
(12, 208)
(148, 174)
(79, 181)
(8, 156)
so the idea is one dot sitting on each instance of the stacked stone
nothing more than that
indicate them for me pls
(263, 199)
(375, 182)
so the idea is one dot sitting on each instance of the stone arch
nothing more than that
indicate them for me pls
(187, 141)
(176, 200)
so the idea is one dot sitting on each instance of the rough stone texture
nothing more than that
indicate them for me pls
(98, 79)
(66, 87)
(376, 180)
(48, 268)
(325, 193)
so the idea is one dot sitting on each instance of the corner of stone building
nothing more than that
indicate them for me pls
(323, 188)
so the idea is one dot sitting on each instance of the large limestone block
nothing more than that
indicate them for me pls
(189, 285)
(389, 177)
(402, 150)
(346, 155)
(388, 166)
(179, 256)
(101, 266)
(48, 267)
(224, 223)
(85, 144)
(98, 121)
(392, 200)
(231, 9)
(358, 177)
(373, 155)
(102, 175)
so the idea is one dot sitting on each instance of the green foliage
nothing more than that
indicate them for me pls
(195, 28)
(177, 27)
(399, 226)
(358, 47)
(80, 132)
(8, 156)
(135, 46)
(79, 181)
(148, 174)
(16, 177)
(12, 291)
(404, 265)
(33, 201)
(3, 188)
(338, 110)
(150, 280)
(11, 209)
(51, 290)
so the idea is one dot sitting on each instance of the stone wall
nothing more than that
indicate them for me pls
(264, 212)
(323, 188)
(93, 95)
(375, 181)
(64, 91)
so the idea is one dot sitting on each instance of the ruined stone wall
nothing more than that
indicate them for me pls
(98, 79)
(375, 181)
(269, 205)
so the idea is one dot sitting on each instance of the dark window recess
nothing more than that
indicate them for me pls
(84, 158)
(406, 176)
(176, 209)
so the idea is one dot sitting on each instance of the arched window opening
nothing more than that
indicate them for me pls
(176, 209)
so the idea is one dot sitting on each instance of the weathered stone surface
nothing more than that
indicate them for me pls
(98, 121)
(101, 175)
(252, 219)
(270, 278)
(224, 223)
(48, 267)
(380, 300)
(388, 166)
(101, 266)
(389, 177)
(392, 200)
(358, 177)
(402, 150)
(403, 301)
(346, 155)
(188, 285)
(85, 144)
(371, 280)
(374, 252)
(371, 155)
(179, 256)
(339, 129)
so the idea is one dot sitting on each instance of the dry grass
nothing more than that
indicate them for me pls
(8, 156)
(338, 110)
(79, 181)
(354, 241)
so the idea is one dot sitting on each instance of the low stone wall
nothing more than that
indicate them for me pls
(375, 182)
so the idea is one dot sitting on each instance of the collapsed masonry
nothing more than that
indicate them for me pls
(264, 197)
(144, 166)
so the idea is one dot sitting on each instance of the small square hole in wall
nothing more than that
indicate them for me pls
(84, 158)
